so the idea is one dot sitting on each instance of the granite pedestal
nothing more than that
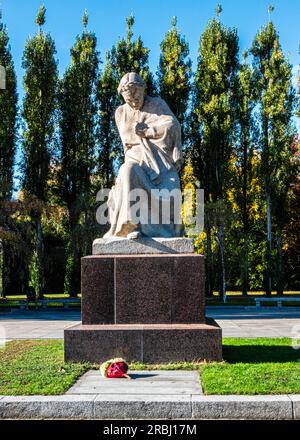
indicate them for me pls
(143, 307)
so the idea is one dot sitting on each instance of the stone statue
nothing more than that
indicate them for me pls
(151, 136)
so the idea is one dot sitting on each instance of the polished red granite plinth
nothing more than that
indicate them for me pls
(143, 289)
(146, 308)
(149, 343)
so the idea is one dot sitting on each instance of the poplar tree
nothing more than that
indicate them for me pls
(213, 111)
(39, 104)
(130, 55)
(174, 73)
(77, 102)
(243, 153)
(109, 146)
(276, 105)
(8, 120)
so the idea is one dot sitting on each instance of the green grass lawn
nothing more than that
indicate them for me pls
(36, 367)
(254, 366)
(251, 366)
(13, 301)
(234, 298)
(237, 299)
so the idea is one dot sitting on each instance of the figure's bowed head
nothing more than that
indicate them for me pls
(132, 87)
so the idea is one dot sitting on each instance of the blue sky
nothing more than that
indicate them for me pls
(153, 19)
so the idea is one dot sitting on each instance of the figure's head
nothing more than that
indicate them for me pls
(132, 88)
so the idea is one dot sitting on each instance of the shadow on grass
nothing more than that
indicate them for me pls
(254, 354)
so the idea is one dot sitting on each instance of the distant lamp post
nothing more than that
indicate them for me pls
(2, 78)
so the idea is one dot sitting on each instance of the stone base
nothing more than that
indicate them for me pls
(143, 289)
(145, 245)
(160, 343)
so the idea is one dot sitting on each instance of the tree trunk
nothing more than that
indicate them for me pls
(269, 248)
(245, 265)
(222, 261)
(74, 269)
(40, 256)
(72, 278)
(245, 212)
(2, 290)
(279, 262)
(208, 282)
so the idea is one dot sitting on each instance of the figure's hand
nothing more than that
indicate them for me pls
(140, 129)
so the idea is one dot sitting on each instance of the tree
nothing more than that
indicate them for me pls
(39, 105)
(8, 121)
(174, 73)
(128, 55)
(132, 56)
(8, 127)
(108, 139)
(213, 115)
(291, 245)
(77, 103)
(276, 105)
(243, 154)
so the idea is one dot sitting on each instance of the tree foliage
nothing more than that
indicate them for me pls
(213, 117)
(130, 55)
(77, 130)
(277, 101)
(39, 105)
(8, 120)
(110, 151)
(174, 73)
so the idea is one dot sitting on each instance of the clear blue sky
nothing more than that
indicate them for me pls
(153, 18)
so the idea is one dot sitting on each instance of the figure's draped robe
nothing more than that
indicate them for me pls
(149, 165)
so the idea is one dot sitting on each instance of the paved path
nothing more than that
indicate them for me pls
(142, 382)
(250, 322)
(235, 322)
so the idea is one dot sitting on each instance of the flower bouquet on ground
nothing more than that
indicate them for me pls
(114, 368)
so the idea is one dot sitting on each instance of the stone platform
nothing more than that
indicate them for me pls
(144, 343)
(146, 308)
(151, 383)
(143, 289)
(123, 246)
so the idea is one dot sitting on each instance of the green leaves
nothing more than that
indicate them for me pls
(8, 119)
(85, 19)
(213, 102)
(132, 56)
(175, 72)
(41, 16)
(39, 104)
(77, 136)
(218, 10)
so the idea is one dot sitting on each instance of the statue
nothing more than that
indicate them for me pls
(151, 136)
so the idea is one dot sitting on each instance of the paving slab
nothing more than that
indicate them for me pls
(296, 406)
(235, 322)
(242, 407)
(142, 407)
(152, 383)
(47, 407)
(131, 406)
